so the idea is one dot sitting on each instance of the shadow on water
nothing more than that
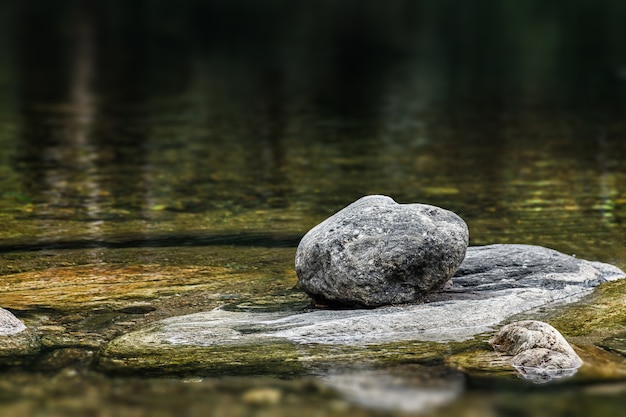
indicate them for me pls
(265, 240)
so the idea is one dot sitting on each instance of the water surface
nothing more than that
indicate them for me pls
(174, 154)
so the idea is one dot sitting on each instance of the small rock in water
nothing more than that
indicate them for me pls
(9, 324)
(540, 353)
(377, 252)
(16, 341)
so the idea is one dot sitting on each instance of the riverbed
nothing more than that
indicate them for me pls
(165, 159)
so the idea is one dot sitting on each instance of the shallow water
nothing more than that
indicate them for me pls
(166, 159)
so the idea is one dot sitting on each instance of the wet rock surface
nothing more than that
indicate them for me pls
(476, 303)
(616, 343)
(9, 324)
(16, 340)
(513, 266)
(539, 352)
(14, 349)
(377, 252)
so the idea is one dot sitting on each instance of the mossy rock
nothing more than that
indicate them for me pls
(616, 343)
(146, 352)
(18, 348)
(597, 316)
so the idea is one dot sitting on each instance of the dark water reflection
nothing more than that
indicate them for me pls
(264, 106)
(166, 123)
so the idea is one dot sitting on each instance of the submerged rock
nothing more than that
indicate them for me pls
(97, 286)
(409, 388)
(540, 353)
(616, 343)
(377, 252)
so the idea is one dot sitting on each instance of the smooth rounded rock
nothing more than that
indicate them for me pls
(9, 324)
(520, 336)
(377, 252)
(540, 352)
(542, 358)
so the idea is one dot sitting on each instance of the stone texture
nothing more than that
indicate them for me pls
(184, 345)
(476, 303)
(499, 267)
(9, 324)
(524, 335)
(539, 352)
(16, 341)
(18, 349)
(377, 252)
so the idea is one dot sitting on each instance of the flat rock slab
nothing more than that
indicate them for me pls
(498, 267)
(494, 282)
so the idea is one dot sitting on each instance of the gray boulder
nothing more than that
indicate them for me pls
(377, 252)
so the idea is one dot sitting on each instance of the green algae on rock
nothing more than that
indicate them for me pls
(616, 343)
(18, 348)
(149, 350)
(102, 285)
(480, 362)
(16, 340)
(595, 317)
(600, 364)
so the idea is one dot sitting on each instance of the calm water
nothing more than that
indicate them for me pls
(217, 133)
